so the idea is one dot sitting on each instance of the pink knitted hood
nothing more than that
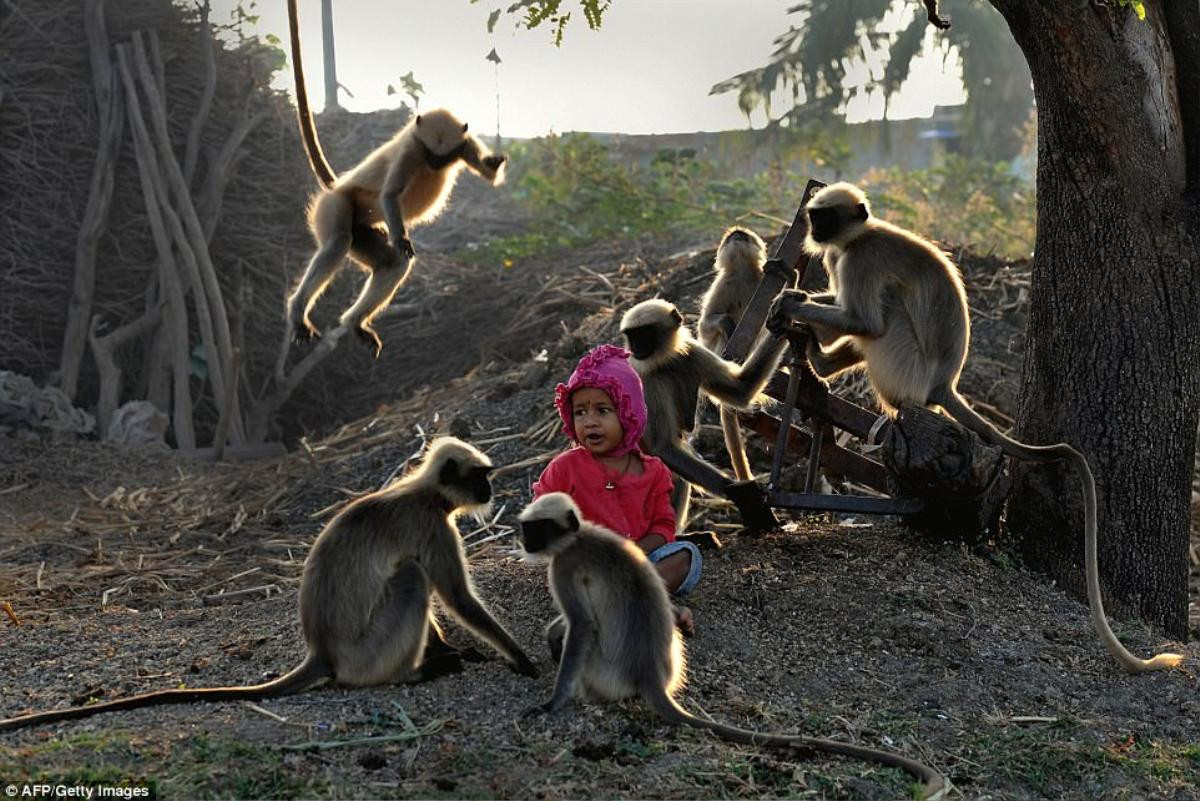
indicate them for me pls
(607, 368)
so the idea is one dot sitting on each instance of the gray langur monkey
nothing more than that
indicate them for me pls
(899, 310)
(364, 213)
(739, 269)
(674, 369)
(365, 593)
(617, 637)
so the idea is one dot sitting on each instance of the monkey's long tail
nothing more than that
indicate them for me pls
(933, 784)
(961, 411)
(308, 128)
(307, 673)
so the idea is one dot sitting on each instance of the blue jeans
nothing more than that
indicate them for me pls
(693, 576)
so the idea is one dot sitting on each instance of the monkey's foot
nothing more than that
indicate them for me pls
(751, 501)
(525, 667)
(444, 664)
(369, 338)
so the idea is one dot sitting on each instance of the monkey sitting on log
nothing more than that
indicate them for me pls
(675, 368)
(739, 268)
(615, 636)
(899, 311)
(365, 212)
(365, 595)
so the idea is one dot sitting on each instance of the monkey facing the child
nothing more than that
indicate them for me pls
(366, 590)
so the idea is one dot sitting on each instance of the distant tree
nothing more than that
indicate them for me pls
(1112, 362)
(811, 59)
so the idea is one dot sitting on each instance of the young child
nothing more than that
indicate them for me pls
(613, 482)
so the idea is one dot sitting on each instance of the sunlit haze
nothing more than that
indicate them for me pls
(647, 70)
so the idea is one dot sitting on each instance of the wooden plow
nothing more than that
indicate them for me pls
(935, 473)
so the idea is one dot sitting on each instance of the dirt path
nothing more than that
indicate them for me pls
(855, 630)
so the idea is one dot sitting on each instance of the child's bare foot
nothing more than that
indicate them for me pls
(685, 621)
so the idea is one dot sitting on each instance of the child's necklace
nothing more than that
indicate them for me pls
(611, 484)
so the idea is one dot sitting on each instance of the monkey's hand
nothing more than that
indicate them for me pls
(494, 161)
(403, 247)
(777, 268)
(524, 666)
(783, 310)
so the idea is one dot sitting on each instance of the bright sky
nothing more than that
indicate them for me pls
(647, 70)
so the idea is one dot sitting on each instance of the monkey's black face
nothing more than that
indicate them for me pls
(644, 340)
(540, 535)
(438, 161)
(474, 483)
(827, 223)
(536, 535)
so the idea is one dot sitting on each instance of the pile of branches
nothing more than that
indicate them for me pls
(183, 216)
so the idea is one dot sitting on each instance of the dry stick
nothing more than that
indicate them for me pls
(232, 370)
(103, 350)
(220, 170)
(192, 149)
(155, 195)
(214, 358)
(195, 235)
(95, 215)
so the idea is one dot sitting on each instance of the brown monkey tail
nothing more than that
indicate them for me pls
(933, 784)
(307, 673)
(308, 127)
(961, 411)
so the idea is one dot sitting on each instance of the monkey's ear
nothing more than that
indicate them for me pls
(449, 473)
(860, 212)
(418, 119)
(676, 316)
(572, 521)
(464, 127)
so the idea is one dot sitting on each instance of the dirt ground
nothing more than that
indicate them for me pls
(133, 571)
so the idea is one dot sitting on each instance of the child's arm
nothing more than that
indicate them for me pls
(662, 514)
(553, 479)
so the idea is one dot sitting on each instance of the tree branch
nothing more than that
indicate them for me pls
(103, 350)
(192, 150)
(931, 7)
(95, 215)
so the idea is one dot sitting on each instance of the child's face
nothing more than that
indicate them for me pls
(597, 426)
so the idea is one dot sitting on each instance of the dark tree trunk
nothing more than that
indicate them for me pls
(1113, 360)
(331, 83)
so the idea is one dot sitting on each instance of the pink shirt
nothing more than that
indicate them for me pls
(634, 507)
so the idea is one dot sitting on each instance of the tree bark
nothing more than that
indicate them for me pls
(1113, 357)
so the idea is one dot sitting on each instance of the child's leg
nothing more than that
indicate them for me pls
(679, 564)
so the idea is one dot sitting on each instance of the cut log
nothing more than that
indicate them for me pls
(963, 480)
